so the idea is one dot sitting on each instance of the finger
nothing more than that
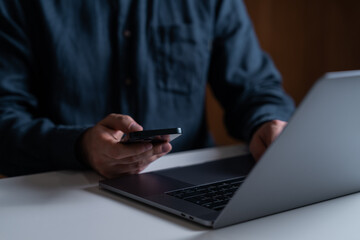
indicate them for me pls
(152, 159)
(257, 148)
(161, 148)
(121, 169)
(121, 122)
(272, 130)
(136, 167)
(121, 151)
(165, 149)
(111, 168)
(109, 134)
(278, 127)
(157, 150)
(142, 162)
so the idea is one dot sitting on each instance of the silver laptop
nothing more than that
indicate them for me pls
(316, 158)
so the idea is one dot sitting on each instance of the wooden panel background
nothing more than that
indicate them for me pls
(305, 38)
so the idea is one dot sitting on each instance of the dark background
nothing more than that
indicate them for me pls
(305, 38)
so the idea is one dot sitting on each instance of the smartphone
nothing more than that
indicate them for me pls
(152, 136)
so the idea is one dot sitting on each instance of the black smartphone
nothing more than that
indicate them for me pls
(152, 136)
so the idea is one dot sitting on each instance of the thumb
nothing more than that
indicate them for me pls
(124, 123)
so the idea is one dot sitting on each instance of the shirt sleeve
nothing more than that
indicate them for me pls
(30, 141)
(243, 77)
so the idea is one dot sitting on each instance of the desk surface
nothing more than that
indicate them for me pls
(69, 205)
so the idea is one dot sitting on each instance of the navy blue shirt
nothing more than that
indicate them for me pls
(66, 64)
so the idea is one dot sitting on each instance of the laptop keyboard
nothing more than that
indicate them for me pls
(214, 195)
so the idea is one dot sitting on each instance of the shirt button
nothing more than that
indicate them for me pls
(128, 82)
(127, 33)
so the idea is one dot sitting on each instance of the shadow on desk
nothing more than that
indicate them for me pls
(146, 209)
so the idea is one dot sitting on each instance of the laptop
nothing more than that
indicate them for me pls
(316, 158)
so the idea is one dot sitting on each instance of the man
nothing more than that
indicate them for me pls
(74, 74)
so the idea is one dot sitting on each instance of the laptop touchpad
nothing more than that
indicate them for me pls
(211, 171)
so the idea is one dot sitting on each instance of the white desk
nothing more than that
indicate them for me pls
(69, 205)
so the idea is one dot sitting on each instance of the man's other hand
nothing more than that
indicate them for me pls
(264, 136)
(100, 147)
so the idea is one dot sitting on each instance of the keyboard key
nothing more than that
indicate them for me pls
(214, 195)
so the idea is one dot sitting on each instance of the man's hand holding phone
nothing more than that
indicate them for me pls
(100, 147)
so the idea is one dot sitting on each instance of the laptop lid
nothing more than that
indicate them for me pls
(316, 158)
